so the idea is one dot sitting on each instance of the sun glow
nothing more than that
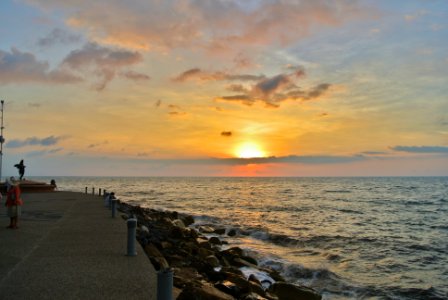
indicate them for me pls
(249, 150)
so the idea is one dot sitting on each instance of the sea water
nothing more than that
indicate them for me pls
(348, 238)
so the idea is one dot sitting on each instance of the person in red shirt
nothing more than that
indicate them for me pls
(14, 204)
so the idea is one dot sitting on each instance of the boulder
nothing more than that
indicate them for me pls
(178, 223)
(188, 220)
(289, 291)
(206, 229)
(214, 240)
(203, 291)
(212, 260)
(232, 232)
(183, 276)
(219, 231)
(229, 287)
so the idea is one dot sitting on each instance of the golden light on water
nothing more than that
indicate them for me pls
(249, 150)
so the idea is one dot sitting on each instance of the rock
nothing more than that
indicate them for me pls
(178, 223)
(203, 252)
(165, 245)
(250, 259)
(159, 262)
(252, 296)
(212, 260)
(254, 279)
(288, 291)
(188, 220)
(182, 276)
(152, 251)
(229, 287)
(204, 244)
(125, 217)
(232, 232)
(176, 232)
(220, 231)
(239, 262)
(203, 291)
(214, 240)
(206, 229)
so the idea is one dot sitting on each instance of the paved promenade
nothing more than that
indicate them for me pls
(68, 247)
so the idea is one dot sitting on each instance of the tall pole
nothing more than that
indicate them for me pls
(2, 139)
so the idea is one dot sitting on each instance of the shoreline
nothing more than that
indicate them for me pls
(206, 267)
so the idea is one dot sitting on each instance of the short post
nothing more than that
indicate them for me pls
(106, 199)
(93, 190)
(165, 284)
(99, 192)
(86, 190)
(132, 228)
(114, 207)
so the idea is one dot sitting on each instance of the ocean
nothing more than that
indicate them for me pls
(348, 238)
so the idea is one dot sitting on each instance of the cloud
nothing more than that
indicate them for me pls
(421, 149)
(132, 75)
(276, 89)
(219, 25)
(20, 67)
(226, 133)
(58, 36)
(34, 141)
(200, 75)
(103, 62)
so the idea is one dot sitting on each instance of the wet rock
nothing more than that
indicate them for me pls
(220, 231)
(288, 291)
(188, 220)
(232, 232)
(206, 229)
(250, 259)
(203, 291)
(151, 250)
(214, 240)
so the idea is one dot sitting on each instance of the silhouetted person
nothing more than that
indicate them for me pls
(21, 167)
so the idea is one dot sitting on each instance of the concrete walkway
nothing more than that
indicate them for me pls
(69, 247)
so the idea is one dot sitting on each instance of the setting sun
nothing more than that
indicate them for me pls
(249, 150)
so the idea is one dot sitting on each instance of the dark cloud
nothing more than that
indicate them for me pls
(226, 133)
(34, 141)
(200, 75)
(275, 89)
(158, 103)
(132, 75)
(103, 62)
(421, 149)
(58, 36)
(19, 67)
(294, 159)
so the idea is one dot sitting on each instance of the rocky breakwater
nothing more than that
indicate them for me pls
(206, 268)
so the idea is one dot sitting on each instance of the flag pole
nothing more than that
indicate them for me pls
(2, 139)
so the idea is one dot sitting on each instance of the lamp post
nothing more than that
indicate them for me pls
(2, 139)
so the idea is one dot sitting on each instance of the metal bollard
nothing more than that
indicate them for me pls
(86, 190)
(93, 191)
(99, 192)
(114, 207)
(132, 228)
(165, 284)
(106, 199)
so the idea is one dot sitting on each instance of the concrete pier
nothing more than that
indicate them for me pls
(69, 247)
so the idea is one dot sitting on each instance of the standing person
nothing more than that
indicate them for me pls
(21, 167)
(14, 204)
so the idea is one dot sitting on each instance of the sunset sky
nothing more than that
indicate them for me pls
(225, 87)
